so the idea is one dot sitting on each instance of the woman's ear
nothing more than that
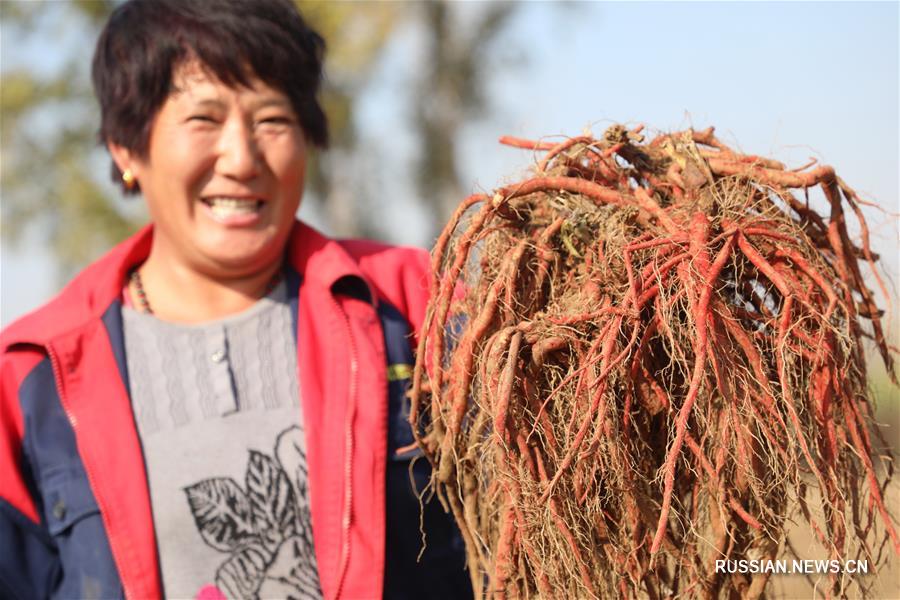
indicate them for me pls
(128, 165)
(122, 156)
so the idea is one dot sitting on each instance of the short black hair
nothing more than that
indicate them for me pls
(145, 41)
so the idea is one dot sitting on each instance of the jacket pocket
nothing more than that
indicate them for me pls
(67, 499)
(76, 526)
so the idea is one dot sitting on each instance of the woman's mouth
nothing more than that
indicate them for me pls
(233, 211)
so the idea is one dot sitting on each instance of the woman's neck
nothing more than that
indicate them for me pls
(177, 293)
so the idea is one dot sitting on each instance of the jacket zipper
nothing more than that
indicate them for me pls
(348, 457)
(113, 546)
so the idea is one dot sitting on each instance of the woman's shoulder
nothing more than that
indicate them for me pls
(69, 309)
(399, 274)
(385, 257)
(83, 300)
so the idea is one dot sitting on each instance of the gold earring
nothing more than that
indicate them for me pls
(128, 178)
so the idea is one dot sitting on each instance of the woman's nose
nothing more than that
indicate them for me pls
(238, 151)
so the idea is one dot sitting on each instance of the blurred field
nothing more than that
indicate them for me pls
(884, 581)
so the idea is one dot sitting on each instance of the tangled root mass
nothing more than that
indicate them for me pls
(646, 357)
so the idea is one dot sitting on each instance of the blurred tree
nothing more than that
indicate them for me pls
(451, 93)
(355, 33)
(53, 185)
(46, 131)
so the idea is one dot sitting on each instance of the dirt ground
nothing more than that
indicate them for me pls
(884, 580)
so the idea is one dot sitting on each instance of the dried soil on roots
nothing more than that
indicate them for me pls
(643, 359)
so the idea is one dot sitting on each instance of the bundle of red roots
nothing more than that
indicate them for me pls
(647, 357)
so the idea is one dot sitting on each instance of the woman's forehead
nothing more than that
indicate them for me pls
(194, 81)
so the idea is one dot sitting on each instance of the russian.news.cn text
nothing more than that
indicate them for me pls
(801, 566)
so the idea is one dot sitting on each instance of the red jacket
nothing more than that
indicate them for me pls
(344, 390)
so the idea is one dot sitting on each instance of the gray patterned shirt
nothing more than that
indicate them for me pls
(218, 413)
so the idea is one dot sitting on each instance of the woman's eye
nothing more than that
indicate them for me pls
(202, 118)
(277, 120)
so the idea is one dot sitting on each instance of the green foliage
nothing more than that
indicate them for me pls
(52, 175)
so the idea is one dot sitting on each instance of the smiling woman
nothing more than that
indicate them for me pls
(211, 125)
(214, 408)
(223, 178)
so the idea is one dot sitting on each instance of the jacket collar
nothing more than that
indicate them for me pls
(320, 260)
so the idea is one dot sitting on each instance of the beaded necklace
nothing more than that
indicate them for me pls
(145, 303)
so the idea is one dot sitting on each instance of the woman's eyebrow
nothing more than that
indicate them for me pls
(272, 101)
(218, 104)
(207, 103)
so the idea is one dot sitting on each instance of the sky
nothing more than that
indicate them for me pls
(787, 80)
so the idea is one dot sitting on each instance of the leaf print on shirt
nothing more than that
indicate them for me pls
(272, 502)
(222, 513)
(290, 455)
(265, 527)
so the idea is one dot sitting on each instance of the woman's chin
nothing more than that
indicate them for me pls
(241, 253)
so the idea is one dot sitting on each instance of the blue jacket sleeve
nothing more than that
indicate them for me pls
(28, 562)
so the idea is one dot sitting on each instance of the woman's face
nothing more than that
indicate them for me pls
(223, 175)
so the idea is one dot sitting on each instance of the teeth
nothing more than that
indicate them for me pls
(225, 207)
(233, 202)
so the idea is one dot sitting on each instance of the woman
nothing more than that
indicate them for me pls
(213, 408)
